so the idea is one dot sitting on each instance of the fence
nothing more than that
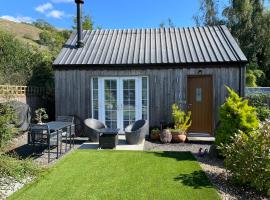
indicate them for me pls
(33, 96)
(257, 90)
(21, 90)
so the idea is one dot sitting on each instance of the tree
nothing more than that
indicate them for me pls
(208, 13)
(43, 25)
(169, 23)
(247, 20)
(87, 23)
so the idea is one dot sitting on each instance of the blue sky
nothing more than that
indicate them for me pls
(106, 13)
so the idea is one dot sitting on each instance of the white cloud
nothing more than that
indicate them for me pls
(62, 1)
(17, 19)
(57, 14)
(44, 7)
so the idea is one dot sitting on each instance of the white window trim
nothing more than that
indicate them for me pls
(138, 94)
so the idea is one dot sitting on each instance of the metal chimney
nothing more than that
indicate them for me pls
(79, 22)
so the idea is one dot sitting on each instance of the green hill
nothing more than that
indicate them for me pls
(23, 31)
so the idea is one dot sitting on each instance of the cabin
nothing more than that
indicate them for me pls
(119, 76)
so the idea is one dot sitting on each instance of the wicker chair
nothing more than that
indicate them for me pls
(92, 125)
(135, 133)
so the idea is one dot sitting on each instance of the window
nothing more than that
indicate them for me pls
(144, 98)
(95, 98)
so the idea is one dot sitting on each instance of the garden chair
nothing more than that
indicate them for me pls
(92, 126)
(69, 131)
(40, 135)
(136, 132)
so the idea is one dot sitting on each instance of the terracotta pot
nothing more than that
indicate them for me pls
(166, 136)
(178, 136)
(155, 135)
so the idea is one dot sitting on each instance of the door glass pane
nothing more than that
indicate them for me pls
(129, 99)
(110, 95)
(198, 94)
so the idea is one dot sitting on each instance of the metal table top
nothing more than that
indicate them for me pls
(56, 125)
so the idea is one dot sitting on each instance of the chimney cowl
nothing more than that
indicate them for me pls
(79, 1)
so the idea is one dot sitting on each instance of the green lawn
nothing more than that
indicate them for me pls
(90, 174)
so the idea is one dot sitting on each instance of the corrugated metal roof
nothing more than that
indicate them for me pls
(152, 46)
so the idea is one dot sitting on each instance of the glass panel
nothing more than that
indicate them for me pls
(107, 84)
(144, 103)
(144, 98)
(110, 103)
(144, 94)
(198, 94)
(113, 84)
(132, 116)
(95, 94)
(95, 98)
(144, 82)
(95, 105)
(95, 83)
(125, 83)
(131, 84)
(126, 123)
(129, 111)
(126, 115)
(95, 114)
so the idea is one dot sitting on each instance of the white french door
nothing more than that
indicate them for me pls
(120, 100)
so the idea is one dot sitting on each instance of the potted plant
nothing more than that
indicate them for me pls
(40, 115)
(166, 136)
(182, 121)
(155, 134)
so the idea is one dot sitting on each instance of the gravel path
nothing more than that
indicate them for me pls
(213, 167)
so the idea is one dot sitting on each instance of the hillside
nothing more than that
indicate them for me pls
(25, 32)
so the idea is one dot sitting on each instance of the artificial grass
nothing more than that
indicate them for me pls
(90, 174)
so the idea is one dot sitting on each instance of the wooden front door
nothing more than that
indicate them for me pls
(200, 103)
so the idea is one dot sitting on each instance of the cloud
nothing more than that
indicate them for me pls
(17, 19)
(57, 14)
(62, 1)
(44, 7)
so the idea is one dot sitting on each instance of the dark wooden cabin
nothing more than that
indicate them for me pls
(118, 76)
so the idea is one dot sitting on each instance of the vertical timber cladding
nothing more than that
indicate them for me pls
(166, 86)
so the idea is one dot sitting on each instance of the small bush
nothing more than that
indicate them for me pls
(248, 158)
(16, 168)
(235, 114)
(7, 117)
(181, 120)
(259, 101)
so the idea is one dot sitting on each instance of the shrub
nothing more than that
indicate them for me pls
(235, 114)
(259, 101)
(181, 120)
(248, 158)
(16, 168)
(7, 118)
